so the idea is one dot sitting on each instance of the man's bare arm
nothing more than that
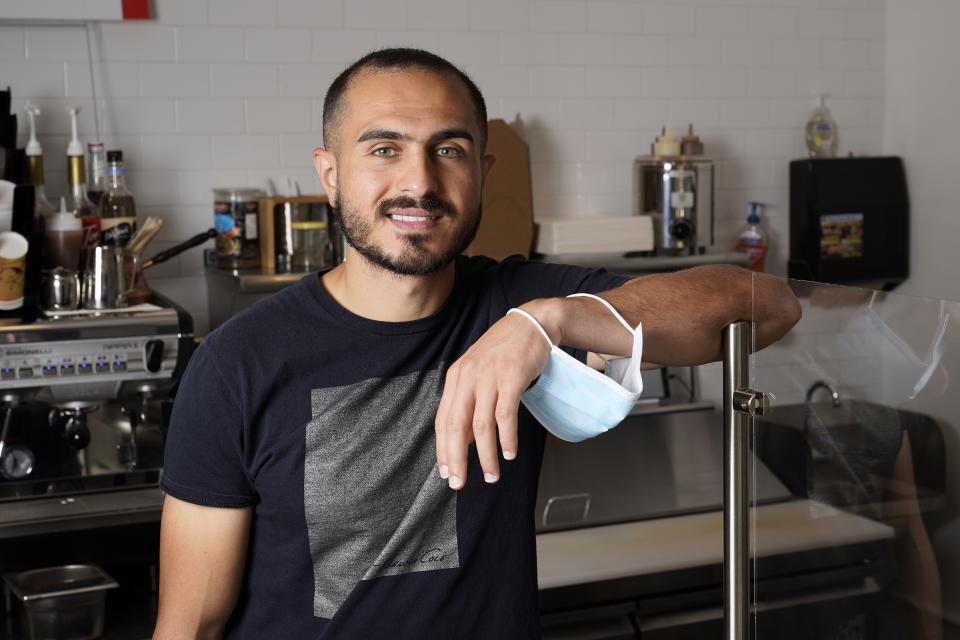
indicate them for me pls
(683, 316)
(202, 555)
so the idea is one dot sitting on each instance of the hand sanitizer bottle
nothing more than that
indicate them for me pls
(752, 240)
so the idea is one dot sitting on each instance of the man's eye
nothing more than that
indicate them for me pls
(385, 152)
(449, 152)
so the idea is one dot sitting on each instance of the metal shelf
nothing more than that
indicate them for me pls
(635, 265)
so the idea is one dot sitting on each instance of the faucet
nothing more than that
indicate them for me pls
(823, 384)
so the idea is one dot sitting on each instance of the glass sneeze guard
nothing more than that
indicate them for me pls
(861, 427)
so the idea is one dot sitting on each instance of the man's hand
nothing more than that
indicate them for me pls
(683, 316)
(481, 395)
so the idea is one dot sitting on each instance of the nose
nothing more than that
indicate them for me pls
(418, 176)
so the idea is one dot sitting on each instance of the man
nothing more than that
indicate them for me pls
(349, 459)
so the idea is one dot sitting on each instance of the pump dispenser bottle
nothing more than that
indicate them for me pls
(76, 176)
(96, 171)
(752, 240)
(42, 206)
(821, 132)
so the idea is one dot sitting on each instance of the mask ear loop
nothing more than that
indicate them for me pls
(934, 353)
(934, 350)
(616, 314)
(612, 310)
(539, 327)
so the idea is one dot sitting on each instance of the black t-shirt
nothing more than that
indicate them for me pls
(322, 420)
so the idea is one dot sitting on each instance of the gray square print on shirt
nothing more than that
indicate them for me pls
(374, 502)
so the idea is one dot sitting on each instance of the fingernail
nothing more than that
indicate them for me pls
(509, 455)
(455, 482)
(444, 471)
(490, 478)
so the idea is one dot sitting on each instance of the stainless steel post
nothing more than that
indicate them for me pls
(736, 514)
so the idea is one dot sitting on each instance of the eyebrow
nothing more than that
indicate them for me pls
(450, 134)
(387, 134)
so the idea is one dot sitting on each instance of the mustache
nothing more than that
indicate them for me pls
(427, 203)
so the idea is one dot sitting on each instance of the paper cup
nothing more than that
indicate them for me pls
(13, 265)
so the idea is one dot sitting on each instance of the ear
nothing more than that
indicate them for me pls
(486, 165)
(325, 163)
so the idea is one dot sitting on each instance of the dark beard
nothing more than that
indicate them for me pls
(415, 260)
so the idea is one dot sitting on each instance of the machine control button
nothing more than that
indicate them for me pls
(49, 370)
(119, 365)
(25, 372)
(7, 373)
(84, 368)
(67, 369)
(153, 355)
(103, 367)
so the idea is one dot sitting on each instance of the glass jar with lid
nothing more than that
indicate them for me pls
(311, 245)
(236, 216)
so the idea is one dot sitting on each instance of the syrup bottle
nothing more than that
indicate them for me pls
(118, 212)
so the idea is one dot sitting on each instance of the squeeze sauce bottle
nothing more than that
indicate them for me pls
(63, 238)
(752, 240)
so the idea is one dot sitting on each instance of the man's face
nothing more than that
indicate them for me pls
(407, 173)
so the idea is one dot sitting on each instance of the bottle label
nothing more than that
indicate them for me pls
(756, 250)
(91, 230)
(117, 231)
(236, 225)
(117, 235)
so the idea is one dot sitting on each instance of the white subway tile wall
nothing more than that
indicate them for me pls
(229, 92)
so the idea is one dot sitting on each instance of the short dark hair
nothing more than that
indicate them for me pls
(395, 59)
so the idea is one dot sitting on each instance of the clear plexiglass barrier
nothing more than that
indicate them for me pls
(861, 434)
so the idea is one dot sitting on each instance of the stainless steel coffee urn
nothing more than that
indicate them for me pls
(675, 185)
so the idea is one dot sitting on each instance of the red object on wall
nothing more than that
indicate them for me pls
(136, 9)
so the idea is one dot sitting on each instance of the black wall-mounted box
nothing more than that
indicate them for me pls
(849, 221)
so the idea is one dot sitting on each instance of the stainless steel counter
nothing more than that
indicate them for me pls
(649, 547)
(77, 512)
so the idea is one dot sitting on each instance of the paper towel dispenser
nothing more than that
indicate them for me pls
(849, 221)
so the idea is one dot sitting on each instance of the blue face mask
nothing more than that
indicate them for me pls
(575, 402)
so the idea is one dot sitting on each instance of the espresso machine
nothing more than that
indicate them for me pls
(84, 401)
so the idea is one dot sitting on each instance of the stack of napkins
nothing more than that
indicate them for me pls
(589, 234)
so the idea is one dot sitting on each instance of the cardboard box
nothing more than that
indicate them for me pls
(506, 228)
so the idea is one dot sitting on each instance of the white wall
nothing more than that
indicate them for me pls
(922, 101)
(229, 92)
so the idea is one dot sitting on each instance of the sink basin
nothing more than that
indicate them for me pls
(844, 455)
